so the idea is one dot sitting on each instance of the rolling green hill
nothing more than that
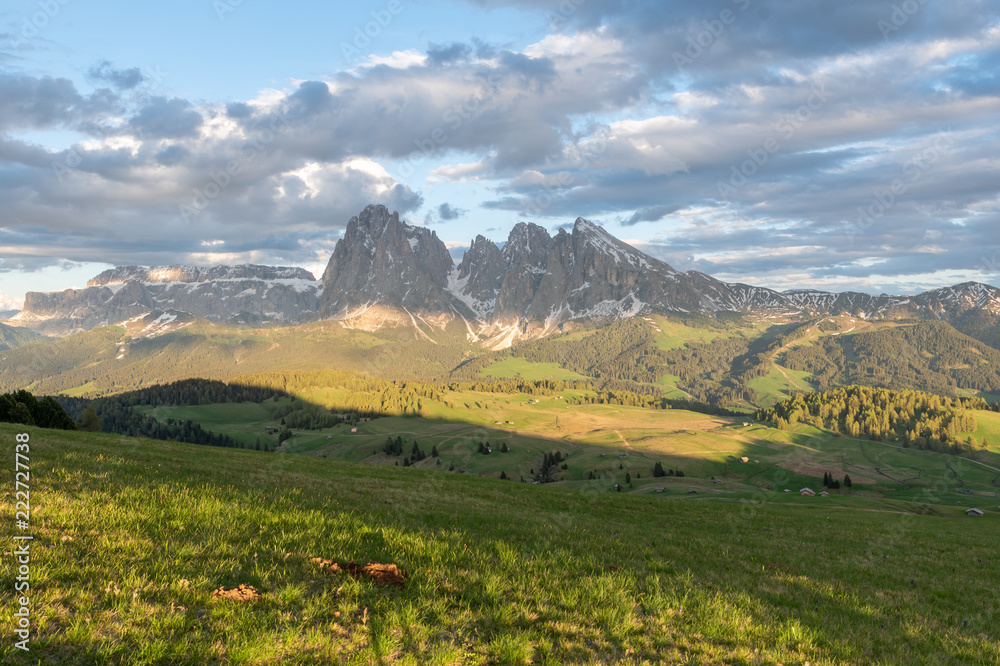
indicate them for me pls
(606, 444)
(734, 363)
(12, 337)
(106, 360)
(133, 536)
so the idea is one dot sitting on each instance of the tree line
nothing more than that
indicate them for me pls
(23, 408)
(913, 418)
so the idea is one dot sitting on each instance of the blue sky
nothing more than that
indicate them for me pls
(787, 143)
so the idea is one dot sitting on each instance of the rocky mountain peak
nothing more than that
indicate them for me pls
(384, 261)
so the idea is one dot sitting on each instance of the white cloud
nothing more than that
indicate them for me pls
(10, 303)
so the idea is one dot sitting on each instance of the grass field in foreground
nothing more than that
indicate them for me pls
(132, 536)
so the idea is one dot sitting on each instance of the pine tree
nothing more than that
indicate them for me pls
(847, 481)
(90, 422)
(591, 477)
(628, 478)
(434, 451)
(658, 470)
(503, 475)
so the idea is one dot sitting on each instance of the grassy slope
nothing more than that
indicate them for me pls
(518, 367)
(88, 363)
(12, 337)
(595, 435)
(498, 572)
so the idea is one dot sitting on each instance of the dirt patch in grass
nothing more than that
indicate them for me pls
(385, 574)
(240, 593)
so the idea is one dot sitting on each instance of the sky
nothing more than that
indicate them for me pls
(828, 144)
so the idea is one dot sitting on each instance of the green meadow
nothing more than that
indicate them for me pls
(605, 445)
(133, 536)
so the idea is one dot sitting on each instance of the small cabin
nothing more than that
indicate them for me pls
(807, 492)
(744, 459)
(824, 494)
(692, 492)
(660, 490)
(975, 513)
(354, 429)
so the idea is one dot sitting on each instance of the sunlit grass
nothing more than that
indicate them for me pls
(497, 572)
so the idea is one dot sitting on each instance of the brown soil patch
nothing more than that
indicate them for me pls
(241, 593)
(385, 574)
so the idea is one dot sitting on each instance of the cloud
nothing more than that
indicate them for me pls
(121, 79)
(447, 212)
(651, 214)
(753, 159)
(164, 118)
(10, 303)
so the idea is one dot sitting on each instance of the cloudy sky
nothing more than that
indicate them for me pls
(791, 143)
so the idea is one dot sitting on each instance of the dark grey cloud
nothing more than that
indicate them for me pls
(172, 155)
(447, 212)
(121, 79)
(650, 214)
(239, 110)
(439, 54)
(163, 118)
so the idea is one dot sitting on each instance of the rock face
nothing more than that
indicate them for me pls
(539, 283)
(220, 293)
(382, 261)
(385, 271)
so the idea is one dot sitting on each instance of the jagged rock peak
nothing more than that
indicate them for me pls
(383, 261)
(164, 274)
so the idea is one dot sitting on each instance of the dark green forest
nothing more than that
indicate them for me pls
(912, 418)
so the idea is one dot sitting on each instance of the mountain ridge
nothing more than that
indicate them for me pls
(387, 272)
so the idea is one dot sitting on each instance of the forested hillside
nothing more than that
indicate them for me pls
(913, 418)
(11, 337)
(931, 356)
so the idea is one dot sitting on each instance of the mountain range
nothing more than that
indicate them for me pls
(387, 272)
